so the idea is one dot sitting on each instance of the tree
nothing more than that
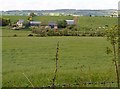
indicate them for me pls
(62, 24)
(113, 38)
(30, 18)
(4, 21)
(32, 14)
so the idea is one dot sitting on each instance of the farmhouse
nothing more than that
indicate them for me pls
(20, 23)
(34, 23)
(70, 22)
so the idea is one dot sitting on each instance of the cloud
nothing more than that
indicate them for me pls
(57, 4)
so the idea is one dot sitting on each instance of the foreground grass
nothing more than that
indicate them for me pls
(81, 59)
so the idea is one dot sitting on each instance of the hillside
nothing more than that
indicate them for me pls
(60, 12)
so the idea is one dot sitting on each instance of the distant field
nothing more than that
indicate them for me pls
(94, 23)
(39, 18)
(83, 21)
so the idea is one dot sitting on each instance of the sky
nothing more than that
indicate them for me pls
(57, 4)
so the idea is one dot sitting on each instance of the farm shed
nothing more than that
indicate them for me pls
(70, 22)
(34, 23)
(52, 24)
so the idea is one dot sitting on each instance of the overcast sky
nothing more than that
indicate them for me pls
(57, 4)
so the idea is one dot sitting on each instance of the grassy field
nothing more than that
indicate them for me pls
(39, 18)
(94, 23)
(81, 59)
(10, 33)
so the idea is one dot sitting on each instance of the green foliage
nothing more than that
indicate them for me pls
(40, 32)
(72, 27)
(30, 18)
(32, 14)
(50, 33)
(4, 21)
(112, 34)
(62, 24)
(26, 24)
(108, 50)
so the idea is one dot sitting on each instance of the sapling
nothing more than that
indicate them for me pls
(112, 37)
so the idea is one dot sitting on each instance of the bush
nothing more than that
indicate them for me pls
(5, 21)
(92, 33)
(65, 32)
(50, 33)
(30, 35)
(62, 24)
(70, 27)
(14, 35)
(39, 32)
(42, 31)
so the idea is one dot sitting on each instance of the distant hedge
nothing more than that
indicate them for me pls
(66, 32)
(4, 21)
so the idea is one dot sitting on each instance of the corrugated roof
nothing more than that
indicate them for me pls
(21, 21)
(35, 22)
(52, 23)
(70, 22)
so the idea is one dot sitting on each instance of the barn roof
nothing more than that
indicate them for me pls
(70, 22)
(21, 21)
(35, 22)
(52, 23)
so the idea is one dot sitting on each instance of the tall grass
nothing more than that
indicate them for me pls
(35, 57)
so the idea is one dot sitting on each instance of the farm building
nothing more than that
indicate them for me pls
(70, 22)
(20, 23)
(34, 23)
(52, 24)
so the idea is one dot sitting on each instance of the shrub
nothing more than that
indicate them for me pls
(5, 21)
(62, 24)
(72, 27)
(92, 33)
(50, 33)
(40, 32)
(14, 35)
(30, 35)
(65, 32)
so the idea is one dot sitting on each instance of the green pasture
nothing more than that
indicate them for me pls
(96, 23)
(43, 19)
(81, 59)
(6, 32)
